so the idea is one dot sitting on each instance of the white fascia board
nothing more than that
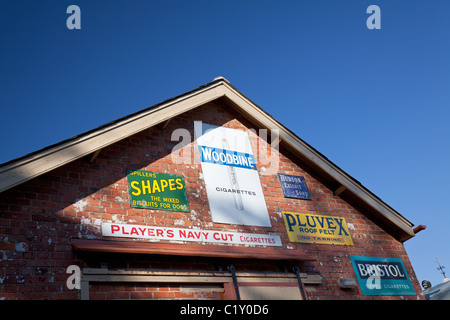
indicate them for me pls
(309, 153)
(28, 168)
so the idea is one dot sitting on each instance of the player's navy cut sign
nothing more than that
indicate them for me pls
(294, 187)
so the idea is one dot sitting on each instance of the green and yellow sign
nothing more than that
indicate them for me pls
(314, 228)
(152, 190)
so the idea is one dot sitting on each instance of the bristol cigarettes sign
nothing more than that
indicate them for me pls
(154, 233)
(232, 182)
(382, 276)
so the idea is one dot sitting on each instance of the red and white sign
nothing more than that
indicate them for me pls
(180, 234)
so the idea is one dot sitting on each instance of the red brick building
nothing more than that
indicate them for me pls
(75, 204)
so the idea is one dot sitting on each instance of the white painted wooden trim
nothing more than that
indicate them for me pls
(28, 168)
(306, 151)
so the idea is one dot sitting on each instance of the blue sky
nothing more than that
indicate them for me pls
(375, 102)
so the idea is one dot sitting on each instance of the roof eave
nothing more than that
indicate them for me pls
(22, 169)
(28, 167)
(324, 165)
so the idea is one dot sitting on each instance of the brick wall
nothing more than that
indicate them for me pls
(40, 217)
(151, 291)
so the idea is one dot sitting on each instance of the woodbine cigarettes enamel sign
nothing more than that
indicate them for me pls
(232, 182)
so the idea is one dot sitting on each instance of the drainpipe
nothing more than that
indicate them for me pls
(232, 269)
(296, 269)
(419, 228)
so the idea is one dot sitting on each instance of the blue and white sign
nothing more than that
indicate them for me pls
(382, 276)
(227, 157)
(294, 186)
(232, 182)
